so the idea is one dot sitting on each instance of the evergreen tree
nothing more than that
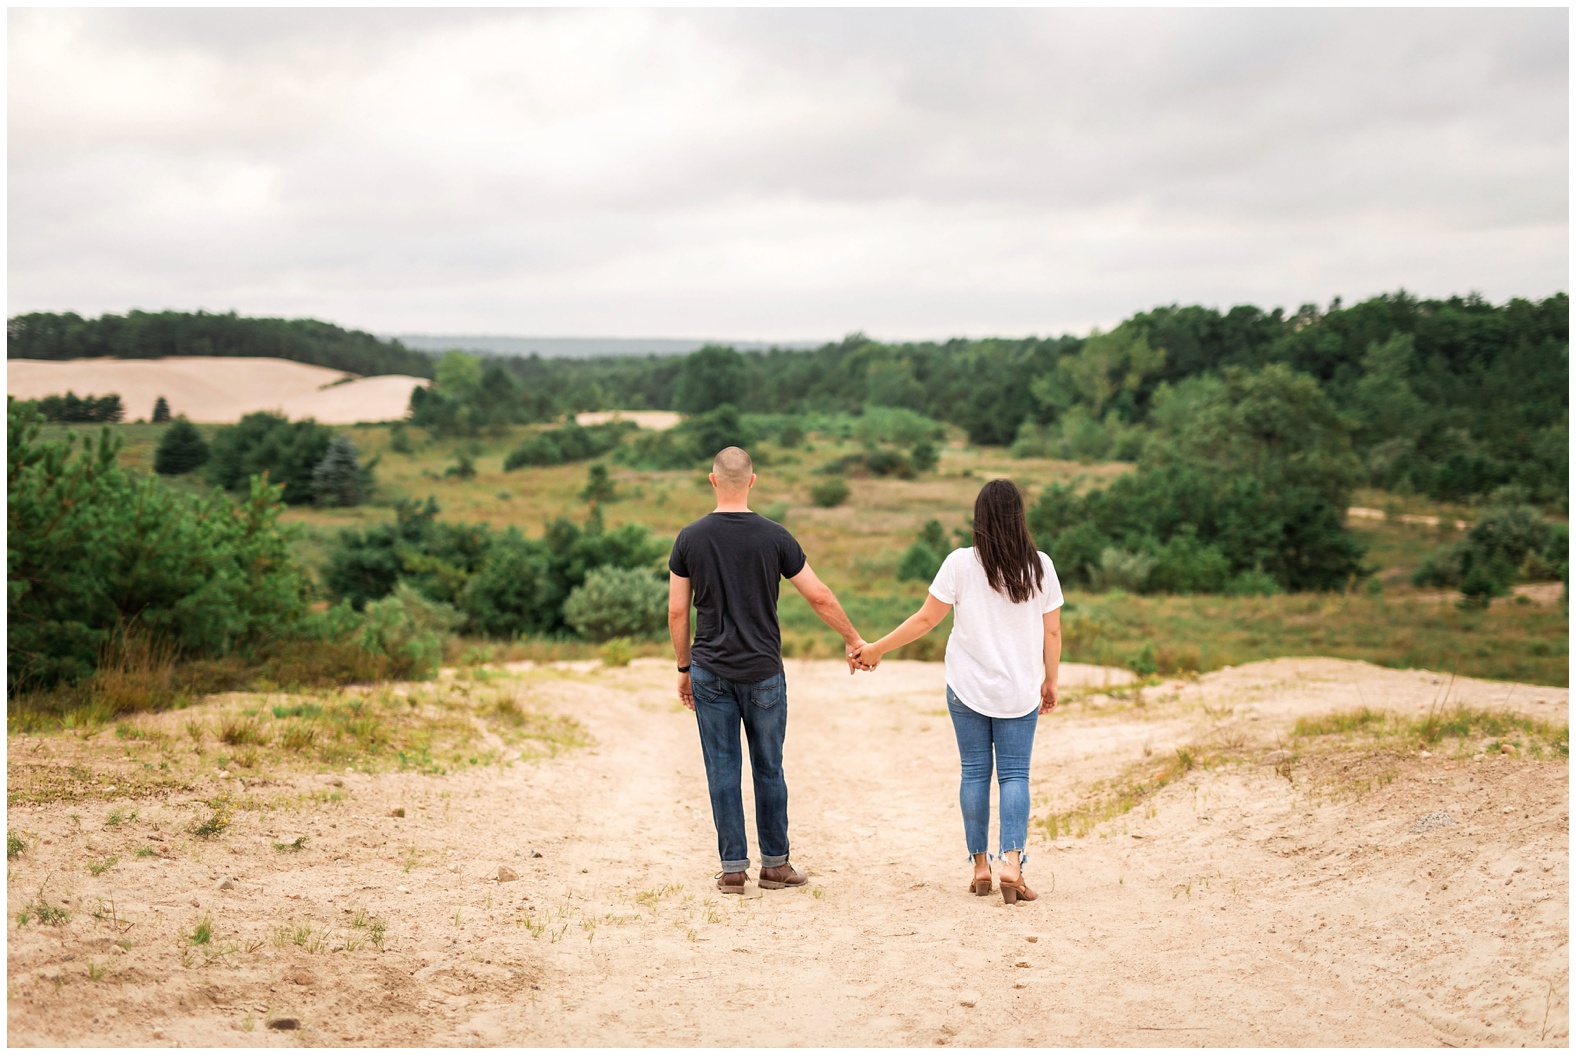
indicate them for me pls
(181, 450)
(599, 486)
(337, 479)
(161, 411)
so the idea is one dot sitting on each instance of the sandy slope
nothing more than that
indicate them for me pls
(219, 390)
(1236, 908)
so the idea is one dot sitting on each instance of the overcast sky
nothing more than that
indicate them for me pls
(779, 174)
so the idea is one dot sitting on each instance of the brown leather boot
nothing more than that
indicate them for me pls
(783, 875)
(732, 882)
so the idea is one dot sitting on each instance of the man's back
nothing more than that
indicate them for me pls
(734, 562)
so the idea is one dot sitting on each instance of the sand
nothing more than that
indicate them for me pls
(646, 419)
(1234, 908)
(219, 390)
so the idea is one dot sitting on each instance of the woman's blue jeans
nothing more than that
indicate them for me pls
(1011, 740)
(721, 707)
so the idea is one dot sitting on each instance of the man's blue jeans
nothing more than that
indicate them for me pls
(1012, 740)
(721, 706)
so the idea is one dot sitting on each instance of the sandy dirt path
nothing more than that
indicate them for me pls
(1425, 906)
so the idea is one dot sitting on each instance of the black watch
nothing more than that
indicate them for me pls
(684, 669)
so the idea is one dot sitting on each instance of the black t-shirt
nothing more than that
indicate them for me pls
(733, 562)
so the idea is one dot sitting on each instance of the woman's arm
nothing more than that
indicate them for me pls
(1053, 660)
(913, 628)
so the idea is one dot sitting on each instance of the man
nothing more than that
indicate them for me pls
(729, 561)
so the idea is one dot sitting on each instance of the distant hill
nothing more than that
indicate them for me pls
(580, 347)
(159, 335)
(220, 390)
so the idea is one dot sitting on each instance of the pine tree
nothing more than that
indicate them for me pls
(181, 450)
(337, 479)
(161, 411)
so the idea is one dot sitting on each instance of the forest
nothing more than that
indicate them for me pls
(155, 335)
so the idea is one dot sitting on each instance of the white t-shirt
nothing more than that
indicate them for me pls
(996, 654)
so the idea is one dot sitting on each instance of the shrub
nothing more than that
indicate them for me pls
(181, 449)
(161, 411)
(718, 428)
(599, 487)
(411, 630)
(791, 435)
(919, 562)
(338, 480)
(570, 443)
(288, 451)
(924, 456)
(92, 548)
(830, 493)
(1509, 540)
(617, 652)
(618, 602)
(1120, 569)
(897, 425)
(74, 409)
(883, 461)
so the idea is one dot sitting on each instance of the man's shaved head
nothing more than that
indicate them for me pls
(733, 469)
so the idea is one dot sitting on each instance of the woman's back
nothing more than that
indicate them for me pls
(995, 655)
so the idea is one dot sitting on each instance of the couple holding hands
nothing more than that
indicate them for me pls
(1001, 666)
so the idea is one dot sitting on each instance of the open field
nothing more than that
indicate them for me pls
(219, 390)
(857, 548)
(1288, 853)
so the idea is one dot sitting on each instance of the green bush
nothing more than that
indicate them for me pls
(181, 449)
(93, 547)
(924, 456)
(504, 583)
(411, 630)
(618, 602)
(288, 451)
(1511, 540)
(1122, 570)
(340, 479)
(570, 443)
(830, 493)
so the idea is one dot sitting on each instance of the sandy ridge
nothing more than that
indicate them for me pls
(220, 390)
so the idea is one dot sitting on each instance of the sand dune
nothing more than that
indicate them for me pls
(219, 390)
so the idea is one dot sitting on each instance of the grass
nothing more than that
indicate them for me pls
(202, 933)
(103, 865)
(216, 822)
(293, 846)
(1458, 729)
(41, 910)
(13, 845)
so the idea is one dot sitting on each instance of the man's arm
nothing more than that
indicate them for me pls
(824, 602)
(679, 593)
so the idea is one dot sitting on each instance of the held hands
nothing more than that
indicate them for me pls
(864, 656)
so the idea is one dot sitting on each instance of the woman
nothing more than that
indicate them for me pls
(1002, 661)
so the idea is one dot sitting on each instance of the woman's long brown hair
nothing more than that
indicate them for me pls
(1003, 543)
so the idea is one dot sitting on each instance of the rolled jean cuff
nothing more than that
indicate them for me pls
(736, 866)
(770, 861)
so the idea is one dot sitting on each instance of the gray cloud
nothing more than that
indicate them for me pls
(787, 173)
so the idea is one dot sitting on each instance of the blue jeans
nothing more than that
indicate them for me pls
(1013, 741)
(721, 706)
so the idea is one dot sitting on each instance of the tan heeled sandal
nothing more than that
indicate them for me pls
(1012, 893)
(981, 887)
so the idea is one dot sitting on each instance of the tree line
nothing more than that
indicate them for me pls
(154, 335)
